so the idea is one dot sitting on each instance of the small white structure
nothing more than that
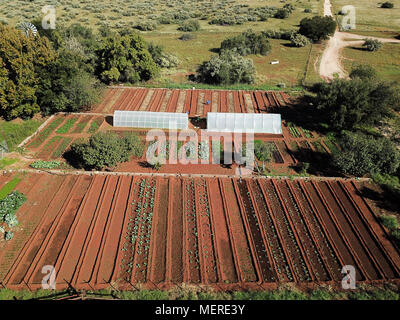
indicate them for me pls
(275, 62)
(146, 119)
(242, 122)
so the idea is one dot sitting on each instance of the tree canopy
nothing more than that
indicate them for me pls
(125, 59)
(317, 28)
(106, 150)
(346, 104)
(226, 68)
(247, 43)
(362, 154)
(20, 58)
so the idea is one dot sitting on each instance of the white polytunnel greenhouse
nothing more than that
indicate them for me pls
(146, 119)
(242, 122)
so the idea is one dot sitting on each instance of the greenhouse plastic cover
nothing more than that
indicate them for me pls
(146, 119)
(242, 122)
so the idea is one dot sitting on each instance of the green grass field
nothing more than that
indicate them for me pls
(385, 61)
(370, 18)
(14, 132)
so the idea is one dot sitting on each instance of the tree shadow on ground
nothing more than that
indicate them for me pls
(385, 199)
(304, 113)
(320, 163)
(359, 48)
(145, 164)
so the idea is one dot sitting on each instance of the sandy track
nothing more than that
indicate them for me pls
(331, 57)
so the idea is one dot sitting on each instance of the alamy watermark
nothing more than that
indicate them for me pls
(49, 280)
(349, 280)
(349, 17)
(189, 147)
(49, 20)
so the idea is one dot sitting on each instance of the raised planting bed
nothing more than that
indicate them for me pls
(81, 125)
(61, 148)
(47, 150)
(67, 126)
(95, 124)
(45, 133)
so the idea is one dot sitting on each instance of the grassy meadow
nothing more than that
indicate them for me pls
(385, 61)
(370, 18)
(127, 14)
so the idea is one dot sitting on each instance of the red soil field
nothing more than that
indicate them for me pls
(195, 101)
(225, 232)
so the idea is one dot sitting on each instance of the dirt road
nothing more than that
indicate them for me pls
(331, 57)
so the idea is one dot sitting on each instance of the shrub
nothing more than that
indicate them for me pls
(227, 68)
(204, 153)
(226, 19)
(9, 205)
(106, 150)
(189, 26)
(161, 58)
(146, 26)
(282, 13)
(372, 44)
(263, 150)
(281, 34)
(298, 40)
(364, 72)
(8, 235)
(389, 222)
(187, 37)
(317, 28)
(387, 5)
(307, 10)
(345, 104)
(247, 43)
(10, 219)
(363, 155)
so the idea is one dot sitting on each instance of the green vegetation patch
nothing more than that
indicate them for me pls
(95, 125)
(45, 133)
(61, 148)
(5, 162)
(49, 146)
(16, 132)
(45, 164)
(6, 190)
(67, 126)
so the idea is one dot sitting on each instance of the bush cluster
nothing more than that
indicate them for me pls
(247, 43)
(372, 44)
(161, 58)
(189, 26)
(106, 150)
(362, 154)
(228, 67)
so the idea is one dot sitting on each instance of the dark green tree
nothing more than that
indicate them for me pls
(66, 86)
(21, 57)
(317, 28)
(362, 154)
(106, 150)
(346, 104)
(363, 71)
(125, 59)
(226, 68)
(247, 43)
